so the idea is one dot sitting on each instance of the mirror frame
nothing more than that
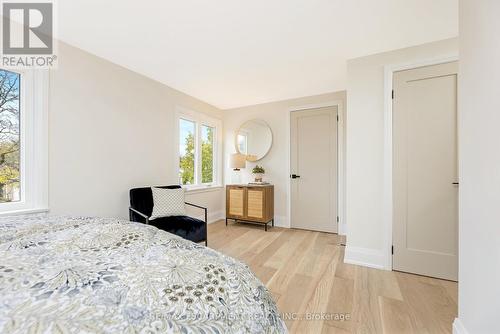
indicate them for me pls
(238, 131)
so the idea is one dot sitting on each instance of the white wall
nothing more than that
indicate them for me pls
(276, 163)
(479, 107)
(111, 129)
(367, 237)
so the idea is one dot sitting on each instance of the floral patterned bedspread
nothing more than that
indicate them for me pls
(97, 275)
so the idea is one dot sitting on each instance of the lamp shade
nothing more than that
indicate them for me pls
(237, 161)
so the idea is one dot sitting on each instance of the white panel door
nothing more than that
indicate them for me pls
(314, 169)
(425, 171)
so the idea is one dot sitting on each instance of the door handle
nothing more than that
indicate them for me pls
(455, 183)
(293, 176)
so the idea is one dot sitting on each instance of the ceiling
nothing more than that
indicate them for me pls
(232, 53)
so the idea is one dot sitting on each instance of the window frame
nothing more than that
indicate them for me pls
(199, 119)
(33, 126)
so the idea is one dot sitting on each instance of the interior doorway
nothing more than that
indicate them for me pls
(314, 169)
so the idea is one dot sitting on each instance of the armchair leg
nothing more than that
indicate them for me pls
(206, 242)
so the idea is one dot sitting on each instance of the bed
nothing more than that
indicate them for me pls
(99, 275)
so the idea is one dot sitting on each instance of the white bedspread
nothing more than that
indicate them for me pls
(95, 275)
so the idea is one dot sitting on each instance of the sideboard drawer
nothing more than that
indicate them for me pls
(255, 202)
(236, 200)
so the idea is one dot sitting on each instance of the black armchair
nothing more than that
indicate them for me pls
(141, 207)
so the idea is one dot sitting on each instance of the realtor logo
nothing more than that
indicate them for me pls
(27, 28)
(28, 34)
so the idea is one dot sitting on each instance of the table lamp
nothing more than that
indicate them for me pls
(236, 162)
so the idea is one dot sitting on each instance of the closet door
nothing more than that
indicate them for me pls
(425, 167)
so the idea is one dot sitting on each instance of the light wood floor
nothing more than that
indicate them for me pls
(305, 272)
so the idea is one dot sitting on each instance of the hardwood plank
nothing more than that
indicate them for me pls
(395, 316)
(330, 329)
(305, 272)
(265, 274)
(318, 256)
(263, 240)
(279, 282)
(286, 251)
(345, 270)
(316, 305)
(289, 302)
(451, 289)
(432, 309)
(269, 250)
(365, 312)
(241, 243)
(340, 302)
(384, 283)
(320, 271)
(219, 234)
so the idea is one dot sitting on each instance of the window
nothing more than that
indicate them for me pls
(187, 151)
(207, 154)
(199, 151)
(23, 140)
(10, 137)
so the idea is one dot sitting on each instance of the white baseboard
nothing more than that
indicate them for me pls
(212, 216)
(215, 216)
(458, 327)
(342, 228)
(281, 221)
(366, 257)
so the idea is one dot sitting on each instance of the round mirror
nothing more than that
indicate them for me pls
(254, 139)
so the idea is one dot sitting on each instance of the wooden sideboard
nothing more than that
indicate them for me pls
(250, 203)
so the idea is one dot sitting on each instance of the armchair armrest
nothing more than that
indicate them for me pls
(199, 207)
(140, 214)
(206, 220)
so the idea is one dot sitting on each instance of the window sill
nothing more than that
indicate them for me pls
(23, 212)
(202, 189)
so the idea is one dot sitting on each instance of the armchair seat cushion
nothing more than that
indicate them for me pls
(186, 227)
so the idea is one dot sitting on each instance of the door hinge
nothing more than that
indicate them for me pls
(392, 94)
(392, 249)
(338, 219)
(337, 118)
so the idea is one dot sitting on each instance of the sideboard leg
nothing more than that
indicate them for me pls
(226, 221)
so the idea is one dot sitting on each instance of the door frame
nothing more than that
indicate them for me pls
(387, 212)
(341, 226)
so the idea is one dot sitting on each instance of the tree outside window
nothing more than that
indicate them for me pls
(207, 154)
(9, 137)
(187, 151)
(197, 153)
